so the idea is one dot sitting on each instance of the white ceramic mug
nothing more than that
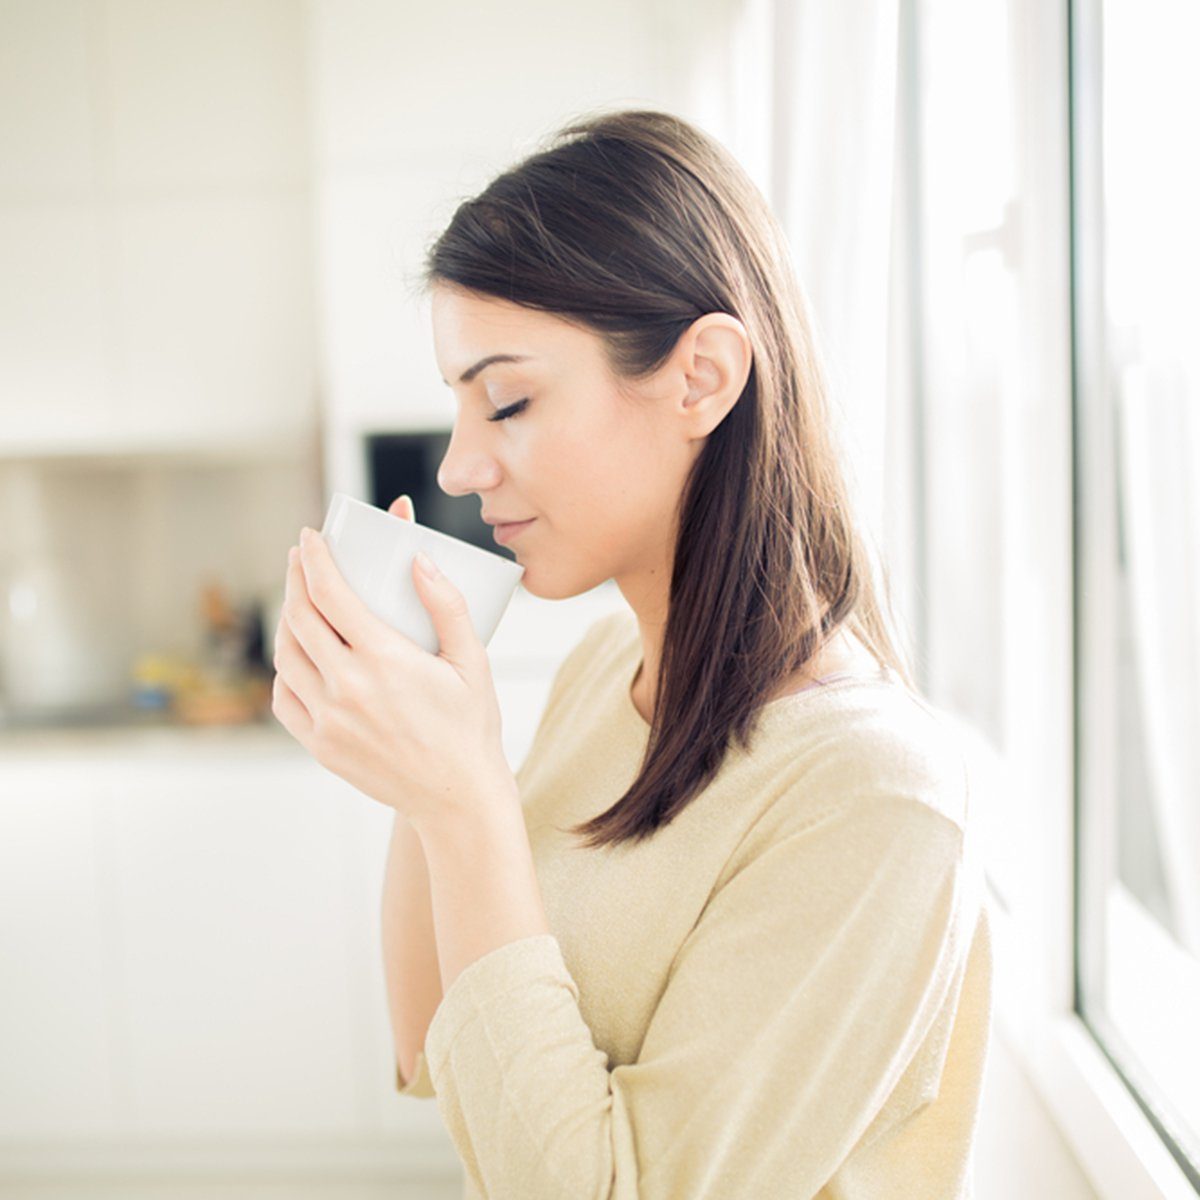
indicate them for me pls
(374, 551)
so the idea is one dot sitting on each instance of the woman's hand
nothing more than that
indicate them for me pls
(418, 732)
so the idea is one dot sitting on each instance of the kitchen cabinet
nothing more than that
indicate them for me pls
(156, 229)
(56, 1003)
(189, 926)
(231, 887)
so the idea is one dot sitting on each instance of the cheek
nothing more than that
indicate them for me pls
(602, 490)
(598, 482)
(611, 486)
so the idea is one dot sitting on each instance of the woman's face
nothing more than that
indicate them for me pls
(599, 472)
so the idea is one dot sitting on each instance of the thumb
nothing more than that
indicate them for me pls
(447, 607)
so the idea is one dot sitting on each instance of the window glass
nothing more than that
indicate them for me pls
(1137, 196)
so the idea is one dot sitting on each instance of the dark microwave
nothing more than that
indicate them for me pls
(400, 464)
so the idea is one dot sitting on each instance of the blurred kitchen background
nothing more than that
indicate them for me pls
(212, 217)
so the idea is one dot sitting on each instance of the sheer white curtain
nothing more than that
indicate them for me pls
(835, 93)
(1152, 253)
(1159, 453)
(804, 92)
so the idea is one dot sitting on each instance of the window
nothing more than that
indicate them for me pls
(1135, 200)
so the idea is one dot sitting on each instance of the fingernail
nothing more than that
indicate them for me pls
(292, 554)
(427, 565)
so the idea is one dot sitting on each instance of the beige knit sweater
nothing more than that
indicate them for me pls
(786, 992)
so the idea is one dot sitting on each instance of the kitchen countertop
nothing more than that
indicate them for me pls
(149, 741)
(531, 640)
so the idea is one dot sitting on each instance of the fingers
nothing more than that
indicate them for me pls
(402, 507)
(320, 640)
(289, 710)
(304, 681)
(328, 617)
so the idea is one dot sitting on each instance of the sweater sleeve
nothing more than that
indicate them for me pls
(420, 1086)
(790, 1013)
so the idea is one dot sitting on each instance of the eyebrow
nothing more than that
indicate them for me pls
(471, 372)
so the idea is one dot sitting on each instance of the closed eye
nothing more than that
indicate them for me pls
(503, 414)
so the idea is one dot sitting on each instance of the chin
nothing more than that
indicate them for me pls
(548, 585)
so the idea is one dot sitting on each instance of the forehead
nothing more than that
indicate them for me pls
(468, 326)
(454, 307)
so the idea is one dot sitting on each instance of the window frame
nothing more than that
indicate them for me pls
(1161, 1162)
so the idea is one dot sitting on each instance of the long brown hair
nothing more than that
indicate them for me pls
(633, 224)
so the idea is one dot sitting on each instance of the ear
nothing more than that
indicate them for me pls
(715, 356)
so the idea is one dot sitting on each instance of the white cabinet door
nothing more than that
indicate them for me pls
(233, 891)
(54, 369)
(56, 994)
(214, 297)
(211, 240)
(190, 949)
(156, 229)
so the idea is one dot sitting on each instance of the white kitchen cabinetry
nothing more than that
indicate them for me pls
(213, 296)
(54, 372)
(189, 928)
(155, 228)
(233, 893)
(57, 994)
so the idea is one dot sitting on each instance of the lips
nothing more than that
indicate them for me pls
(507, 530)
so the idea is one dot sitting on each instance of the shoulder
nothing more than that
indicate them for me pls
(871, 791)
(896, 743)
(868, 746)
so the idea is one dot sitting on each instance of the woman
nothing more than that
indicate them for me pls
(735, 943)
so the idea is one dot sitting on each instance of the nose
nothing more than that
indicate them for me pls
(467, 466)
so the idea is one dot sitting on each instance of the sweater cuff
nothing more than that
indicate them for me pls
(420, 1085)
(508, 968)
